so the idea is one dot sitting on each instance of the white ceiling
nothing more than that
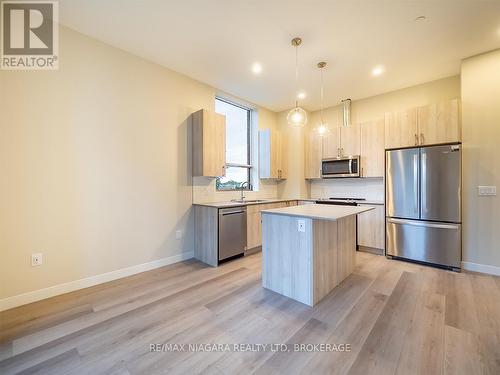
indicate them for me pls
(217, 41)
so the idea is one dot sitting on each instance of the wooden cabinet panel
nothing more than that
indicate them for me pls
(313, 155)
(206, 225)
(272, 154)
(209, 143)
(401, 128)
(254, 224)
(282, 156)
(341, 141)
(331, 143)
(349, 140)
(439, 123)
(371, 226)
(254, 227)
(372, 149)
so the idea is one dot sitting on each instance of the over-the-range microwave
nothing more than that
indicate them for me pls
(340, 167)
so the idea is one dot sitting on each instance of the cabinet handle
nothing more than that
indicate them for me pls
(421, 138)
(416, 139)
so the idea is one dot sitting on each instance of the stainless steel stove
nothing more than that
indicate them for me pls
(344, 201)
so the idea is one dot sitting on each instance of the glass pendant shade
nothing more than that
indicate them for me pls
(322, 129)
(297, 117)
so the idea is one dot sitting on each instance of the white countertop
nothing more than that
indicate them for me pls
(227, 204)
(319, 211)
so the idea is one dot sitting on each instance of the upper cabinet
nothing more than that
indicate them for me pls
(349, 140)
(401, 128)
(313, 155)
(426, 125)
(372, 149)
(272, 154)
(342, 141)
(438, 123)
(331, 143)
(209, 143)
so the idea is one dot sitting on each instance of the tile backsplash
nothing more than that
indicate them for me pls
(369, 188)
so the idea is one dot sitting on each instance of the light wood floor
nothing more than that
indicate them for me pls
(397, 317)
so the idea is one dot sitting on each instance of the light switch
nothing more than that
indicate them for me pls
(487, 190)
(301, 225)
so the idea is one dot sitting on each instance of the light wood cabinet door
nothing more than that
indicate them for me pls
(331, 143)
(439, 123)
(313, 154)
(401, 129)
(371, 226)
(254, 226)
(272, 155)
(209, 143)
(282, 156)
(372, 149)
(349, 140)
(254, 223)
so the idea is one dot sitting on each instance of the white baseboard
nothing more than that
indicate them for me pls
(37, 295)
(483, 268)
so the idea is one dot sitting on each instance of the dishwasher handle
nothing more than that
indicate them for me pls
(231, 211)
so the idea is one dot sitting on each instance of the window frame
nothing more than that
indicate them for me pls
(248, 166)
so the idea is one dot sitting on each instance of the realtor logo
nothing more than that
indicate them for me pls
(29, 35)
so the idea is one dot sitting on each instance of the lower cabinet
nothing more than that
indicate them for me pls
(254, 224)
(371, 226)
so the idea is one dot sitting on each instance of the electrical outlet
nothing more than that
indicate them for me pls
(36, 259)
(487, 190)
(178, 234)
(301, 225)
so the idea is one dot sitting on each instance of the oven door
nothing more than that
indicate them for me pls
(337, 168)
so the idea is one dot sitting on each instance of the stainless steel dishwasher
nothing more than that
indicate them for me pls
(232, 232)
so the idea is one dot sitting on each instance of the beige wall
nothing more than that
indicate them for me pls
(481, 140)
(295, 186)
(95, 166)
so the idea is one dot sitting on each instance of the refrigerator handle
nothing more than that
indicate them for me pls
(423, 224)
(423, 183)
(415, 178)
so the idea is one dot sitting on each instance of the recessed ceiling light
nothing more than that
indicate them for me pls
(301, 95)
(378, 70)
(256, 68)
(420, 18)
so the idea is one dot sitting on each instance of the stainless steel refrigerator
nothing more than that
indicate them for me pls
(423, 209)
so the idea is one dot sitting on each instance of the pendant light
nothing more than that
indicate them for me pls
(322, 128)
(297, 116)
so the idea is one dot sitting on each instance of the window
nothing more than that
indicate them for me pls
(238, 165)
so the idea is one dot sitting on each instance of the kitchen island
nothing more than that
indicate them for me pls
(308, 250)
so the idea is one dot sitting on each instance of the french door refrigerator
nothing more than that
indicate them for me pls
(423, 209)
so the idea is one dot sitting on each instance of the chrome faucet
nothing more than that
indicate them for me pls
(242, 187)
